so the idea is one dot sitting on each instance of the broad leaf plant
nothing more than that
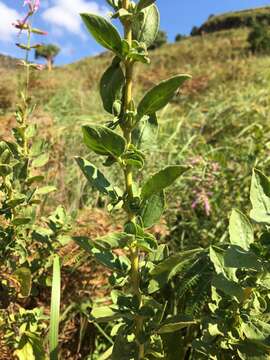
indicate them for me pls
(139, 317)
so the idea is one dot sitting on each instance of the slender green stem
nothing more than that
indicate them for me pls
(26, 90)
(27, 61)
(127, 128)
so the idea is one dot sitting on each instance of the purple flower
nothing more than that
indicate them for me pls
(33, 5)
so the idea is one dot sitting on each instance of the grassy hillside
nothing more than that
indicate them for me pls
(218, 124)
(221, 120)
(233, 20)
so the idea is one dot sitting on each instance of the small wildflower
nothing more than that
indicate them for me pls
(38, 67)
(33, 5)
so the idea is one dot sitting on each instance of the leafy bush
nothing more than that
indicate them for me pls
(160, 40)
(48, 52)
(179, 37)
(259, 38)
(233, 20)
(8, 96)
(239, 307)
(28, 242)
(194, 31)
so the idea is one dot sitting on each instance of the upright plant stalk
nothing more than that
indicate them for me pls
(21, 160)
(127, 128)
(140, 315)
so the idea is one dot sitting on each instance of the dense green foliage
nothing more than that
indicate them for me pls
(139, 318)
(179, 37)
(211, 276)
(48, 52)
(234, 20)
(160, 40)
(27, 247)
(259, 38)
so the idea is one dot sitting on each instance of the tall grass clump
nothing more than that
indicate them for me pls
(259, 38)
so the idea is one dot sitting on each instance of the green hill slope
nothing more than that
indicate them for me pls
(233, 20)
(219, 124)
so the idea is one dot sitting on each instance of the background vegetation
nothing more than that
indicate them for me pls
(219, 124)
(234, 20)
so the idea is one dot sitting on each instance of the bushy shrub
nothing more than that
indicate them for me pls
(179, 37)
(259, 38)
(160, 40)
(234, 20)
(7, 94)
(195, 31)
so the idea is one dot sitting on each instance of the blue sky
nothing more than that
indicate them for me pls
(60, 18)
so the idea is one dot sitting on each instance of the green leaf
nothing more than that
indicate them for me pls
(174, 346)
(84, 242)
(5, 169)
(103, 32)
(30, 347)
(163, 272)
(96, 178)
(115, 240)
(111, 85)
(105, 313)
(124, 349)
(265, 281)
(176, 323)
(103, 141)
(160, 95)
(146, 25)
(30, 131)
(21, 221)
(217, 258)
(241, 231)
(16, 200)
(113, 3)
(106, 355)
(33, 179)
(24, 276)
(25, 352)
(41, 160)
(45, 190)
(172, 264)
(152, 209)
(37, 345)
(251, 351)
(120, 264)
(144, 3)
(148, 243)
(228, 287)
(161, 180)
(236, 257)
(154, 348)
(55, 309)
(260, 197)
(5, 157)
(134, 158)
(145, 133)
(105, 257)
(256, 330)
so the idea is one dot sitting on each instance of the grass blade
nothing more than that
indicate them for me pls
(55, 309)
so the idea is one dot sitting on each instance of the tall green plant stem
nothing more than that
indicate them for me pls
(26, 90)
(127, 128)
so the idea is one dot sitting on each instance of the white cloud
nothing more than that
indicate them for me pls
(65, 14)
(8, 16)
(67, 50)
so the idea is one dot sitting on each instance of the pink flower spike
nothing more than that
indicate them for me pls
(40, 67)
(32, 4)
